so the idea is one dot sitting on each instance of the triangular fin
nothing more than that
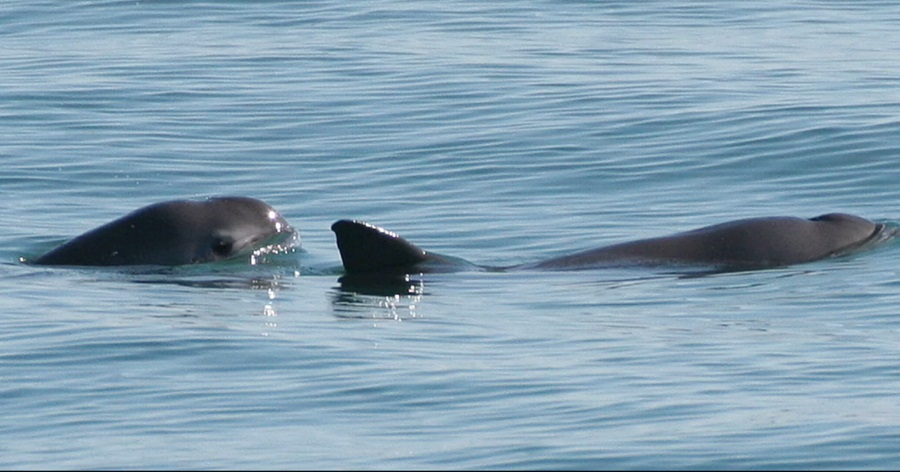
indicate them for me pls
(367, 248)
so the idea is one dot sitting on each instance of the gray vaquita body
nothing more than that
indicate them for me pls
(176, 232)
(740, 244)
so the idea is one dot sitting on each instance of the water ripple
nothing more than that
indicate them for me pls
(503, 133)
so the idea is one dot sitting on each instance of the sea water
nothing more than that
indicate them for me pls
(500, 132)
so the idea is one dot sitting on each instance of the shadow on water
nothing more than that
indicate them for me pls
(392, 297)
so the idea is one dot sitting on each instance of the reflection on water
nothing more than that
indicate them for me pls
(366, 297)
(271, 283)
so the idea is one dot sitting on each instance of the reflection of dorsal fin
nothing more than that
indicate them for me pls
(368, 248)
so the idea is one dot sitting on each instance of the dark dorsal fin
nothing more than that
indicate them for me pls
(368, 248)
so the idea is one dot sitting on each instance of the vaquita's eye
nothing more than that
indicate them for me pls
(222, 248)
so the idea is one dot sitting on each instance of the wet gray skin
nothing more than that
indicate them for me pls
(176, 232)
(741, 244)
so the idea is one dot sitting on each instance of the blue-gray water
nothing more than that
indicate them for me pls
(502, 132)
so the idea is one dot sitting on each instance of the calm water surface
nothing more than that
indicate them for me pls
(501, 132)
